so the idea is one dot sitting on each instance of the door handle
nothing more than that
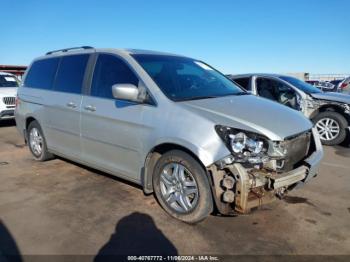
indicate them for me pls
(71, 105)
(90, 108)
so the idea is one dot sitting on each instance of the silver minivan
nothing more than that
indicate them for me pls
(172, 124)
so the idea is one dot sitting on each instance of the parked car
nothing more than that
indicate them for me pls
(323, 85)
(8, 91)
(336, 83)
(170, 123)
(329, 111)
(327, 86)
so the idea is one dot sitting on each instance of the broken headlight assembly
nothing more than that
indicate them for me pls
(310, 103)
(246, 147)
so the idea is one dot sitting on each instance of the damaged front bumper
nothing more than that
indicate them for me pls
(237, 189)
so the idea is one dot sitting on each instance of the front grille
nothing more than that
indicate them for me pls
(9, 100)
(297, 150)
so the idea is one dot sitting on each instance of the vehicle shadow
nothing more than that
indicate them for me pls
(8, 247)
(7, 123)
(135, 235)
(99, 172)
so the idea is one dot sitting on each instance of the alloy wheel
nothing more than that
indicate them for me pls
(36, 141)
(179, 188)
(328, 129)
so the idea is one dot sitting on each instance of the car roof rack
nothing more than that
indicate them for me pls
(69, 49)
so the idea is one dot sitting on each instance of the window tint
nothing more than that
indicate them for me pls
(277, 91)
(267, 88)
(243, 82)
(110, 70)
(42, 73)
(70, 73)
(8, 81)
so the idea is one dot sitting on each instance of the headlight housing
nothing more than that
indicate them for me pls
(246, 147)
(309, 103)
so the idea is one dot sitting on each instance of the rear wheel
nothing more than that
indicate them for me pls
(331, 127)
(182, 188)
(37, 143)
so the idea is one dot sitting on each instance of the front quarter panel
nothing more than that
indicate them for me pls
(178, 126)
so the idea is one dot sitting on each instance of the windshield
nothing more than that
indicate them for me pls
(183, 79)
(8, 81)
(303, 86)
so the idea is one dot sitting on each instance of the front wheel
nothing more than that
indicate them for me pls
(182, 188)
(331, 127)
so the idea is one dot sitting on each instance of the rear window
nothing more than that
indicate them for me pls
(8, 81)
(70, 74)
(42, 73)
(243, 82)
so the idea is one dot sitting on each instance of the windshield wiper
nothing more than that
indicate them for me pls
(196, 98)
(206, 97)
(241, 94)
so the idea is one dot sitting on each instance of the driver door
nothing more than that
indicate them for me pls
(111, 128)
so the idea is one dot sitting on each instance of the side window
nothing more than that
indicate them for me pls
(70, 73)
(243, 82)
(266, 88)
(277, 91)
(42, 73)
(110, 70)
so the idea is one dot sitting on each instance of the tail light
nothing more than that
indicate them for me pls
(343, 85)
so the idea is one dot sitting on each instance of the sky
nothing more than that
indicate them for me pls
(234, 36)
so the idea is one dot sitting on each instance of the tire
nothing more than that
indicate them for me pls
(339, 121)
(39, 155)
(195, 177)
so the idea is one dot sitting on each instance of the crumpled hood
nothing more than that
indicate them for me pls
(332, 96)
(8, 91)
(251, 113)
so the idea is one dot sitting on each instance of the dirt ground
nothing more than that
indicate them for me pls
(58, 207)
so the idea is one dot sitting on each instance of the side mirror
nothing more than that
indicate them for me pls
(126, 92)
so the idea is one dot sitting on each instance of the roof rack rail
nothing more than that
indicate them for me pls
(68, 49)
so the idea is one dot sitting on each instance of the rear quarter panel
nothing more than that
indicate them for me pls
(30, 104)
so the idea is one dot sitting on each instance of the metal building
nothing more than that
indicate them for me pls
(14, 69)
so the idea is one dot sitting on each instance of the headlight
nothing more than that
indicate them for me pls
(244, 146)
(309, 103)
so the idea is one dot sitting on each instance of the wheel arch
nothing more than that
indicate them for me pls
(152, 157)
(333, 108)
(28, 120)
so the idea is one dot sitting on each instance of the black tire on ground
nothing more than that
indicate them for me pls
(342, 122)
(204, 205)
(45, 154)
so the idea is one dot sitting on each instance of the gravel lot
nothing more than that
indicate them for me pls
(59, 207)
